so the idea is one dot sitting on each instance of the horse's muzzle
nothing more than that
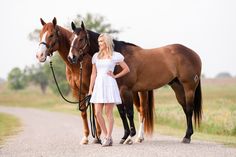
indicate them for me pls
(73, 60)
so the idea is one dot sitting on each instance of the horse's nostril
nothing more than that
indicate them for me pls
(69, 59)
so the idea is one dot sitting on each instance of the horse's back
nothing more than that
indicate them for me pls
(187, 58)
(176, 55)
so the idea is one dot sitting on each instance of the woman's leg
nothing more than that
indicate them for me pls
(100, 119)
(109, 113)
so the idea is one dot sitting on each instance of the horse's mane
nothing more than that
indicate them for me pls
(119, 46)
(127, 43)
(122, 46)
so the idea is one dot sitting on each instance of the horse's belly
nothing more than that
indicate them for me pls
(151, 82)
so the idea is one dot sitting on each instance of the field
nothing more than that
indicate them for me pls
(219, 109)
(9, 125)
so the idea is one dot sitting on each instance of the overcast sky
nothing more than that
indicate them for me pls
(206, 26)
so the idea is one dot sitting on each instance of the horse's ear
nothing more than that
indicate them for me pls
(54, 21)
(73, 26)
(42, 22)
(82, 26)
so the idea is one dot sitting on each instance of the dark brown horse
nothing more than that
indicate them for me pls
(55, 38)
(175, 65)
(128, 98)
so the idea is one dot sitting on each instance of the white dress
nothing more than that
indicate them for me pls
(105, 88)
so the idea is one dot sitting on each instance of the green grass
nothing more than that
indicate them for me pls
(32, 97)
(219, 113)
(219, 110)
(9, 125)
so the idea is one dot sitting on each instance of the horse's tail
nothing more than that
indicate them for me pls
(149, 114)
(198, 105)
(136, 100)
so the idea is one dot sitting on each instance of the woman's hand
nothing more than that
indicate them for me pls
(110, 73)
(90, 92)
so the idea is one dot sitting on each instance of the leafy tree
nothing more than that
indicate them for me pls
(34, 36)
(95, 23)
(37, 74)
(16, 79)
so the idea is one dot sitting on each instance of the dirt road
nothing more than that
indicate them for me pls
(50, 134)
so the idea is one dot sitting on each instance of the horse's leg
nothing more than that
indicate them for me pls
(86, 128)
(142, 99)
(75, 89)
(85, 122)
(122, 112)
(180, 95)
(127, 97)
(189, 97)
(98, 129)
(130, 114)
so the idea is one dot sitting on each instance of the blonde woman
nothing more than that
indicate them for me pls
(103, 85)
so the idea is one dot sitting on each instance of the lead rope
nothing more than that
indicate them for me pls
(91, 106)
(84, 102)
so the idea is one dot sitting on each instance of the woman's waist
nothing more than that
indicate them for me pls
(102, 73)
(105, 76)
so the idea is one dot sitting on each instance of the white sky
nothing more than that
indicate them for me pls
(206, 26)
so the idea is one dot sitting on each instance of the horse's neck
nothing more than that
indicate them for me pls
(64, 44)
(93, 39)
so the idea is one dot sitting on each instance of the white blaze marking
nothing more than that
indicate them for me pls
(42, 47)
(44, 36)
(71, 46)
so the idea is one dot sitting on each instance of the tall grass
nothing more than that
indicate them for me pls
(219, 110)
(219, 113)
(32, 97)
(9, 125)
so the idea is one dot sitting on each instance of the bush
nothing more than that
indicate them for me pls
(16, 79)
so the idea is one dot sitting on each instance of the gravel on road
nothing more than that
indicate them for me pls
(52, 134)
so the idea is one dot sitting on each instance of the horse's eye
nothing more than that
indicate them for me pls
(50, 36)
(81, 39)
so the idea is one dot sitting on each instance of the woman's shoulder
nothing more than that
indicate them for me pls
(95, 54)
(117, 56)
(94, 58)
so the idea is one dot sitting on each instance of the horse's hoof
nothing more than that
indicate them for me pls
(96, 141)
(186, 140)
(84, 141)
(128, 141)
(139, 140)
(122, 141)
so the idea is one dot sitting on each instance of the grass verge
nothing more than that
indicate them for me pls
(9, 125)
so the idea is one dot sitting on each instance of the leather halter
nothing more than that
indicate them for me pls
(49, 51)
(81, 50)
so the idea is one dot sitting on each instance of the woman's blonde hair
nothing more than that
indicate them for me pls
(109, 44)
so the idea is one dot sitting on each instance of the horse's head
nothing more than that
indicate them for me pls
(48, 42)
(79, 44)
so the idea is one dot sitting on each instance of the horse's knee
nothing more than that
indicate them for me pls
(121, 110)
(84, 115)
(130, 111)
